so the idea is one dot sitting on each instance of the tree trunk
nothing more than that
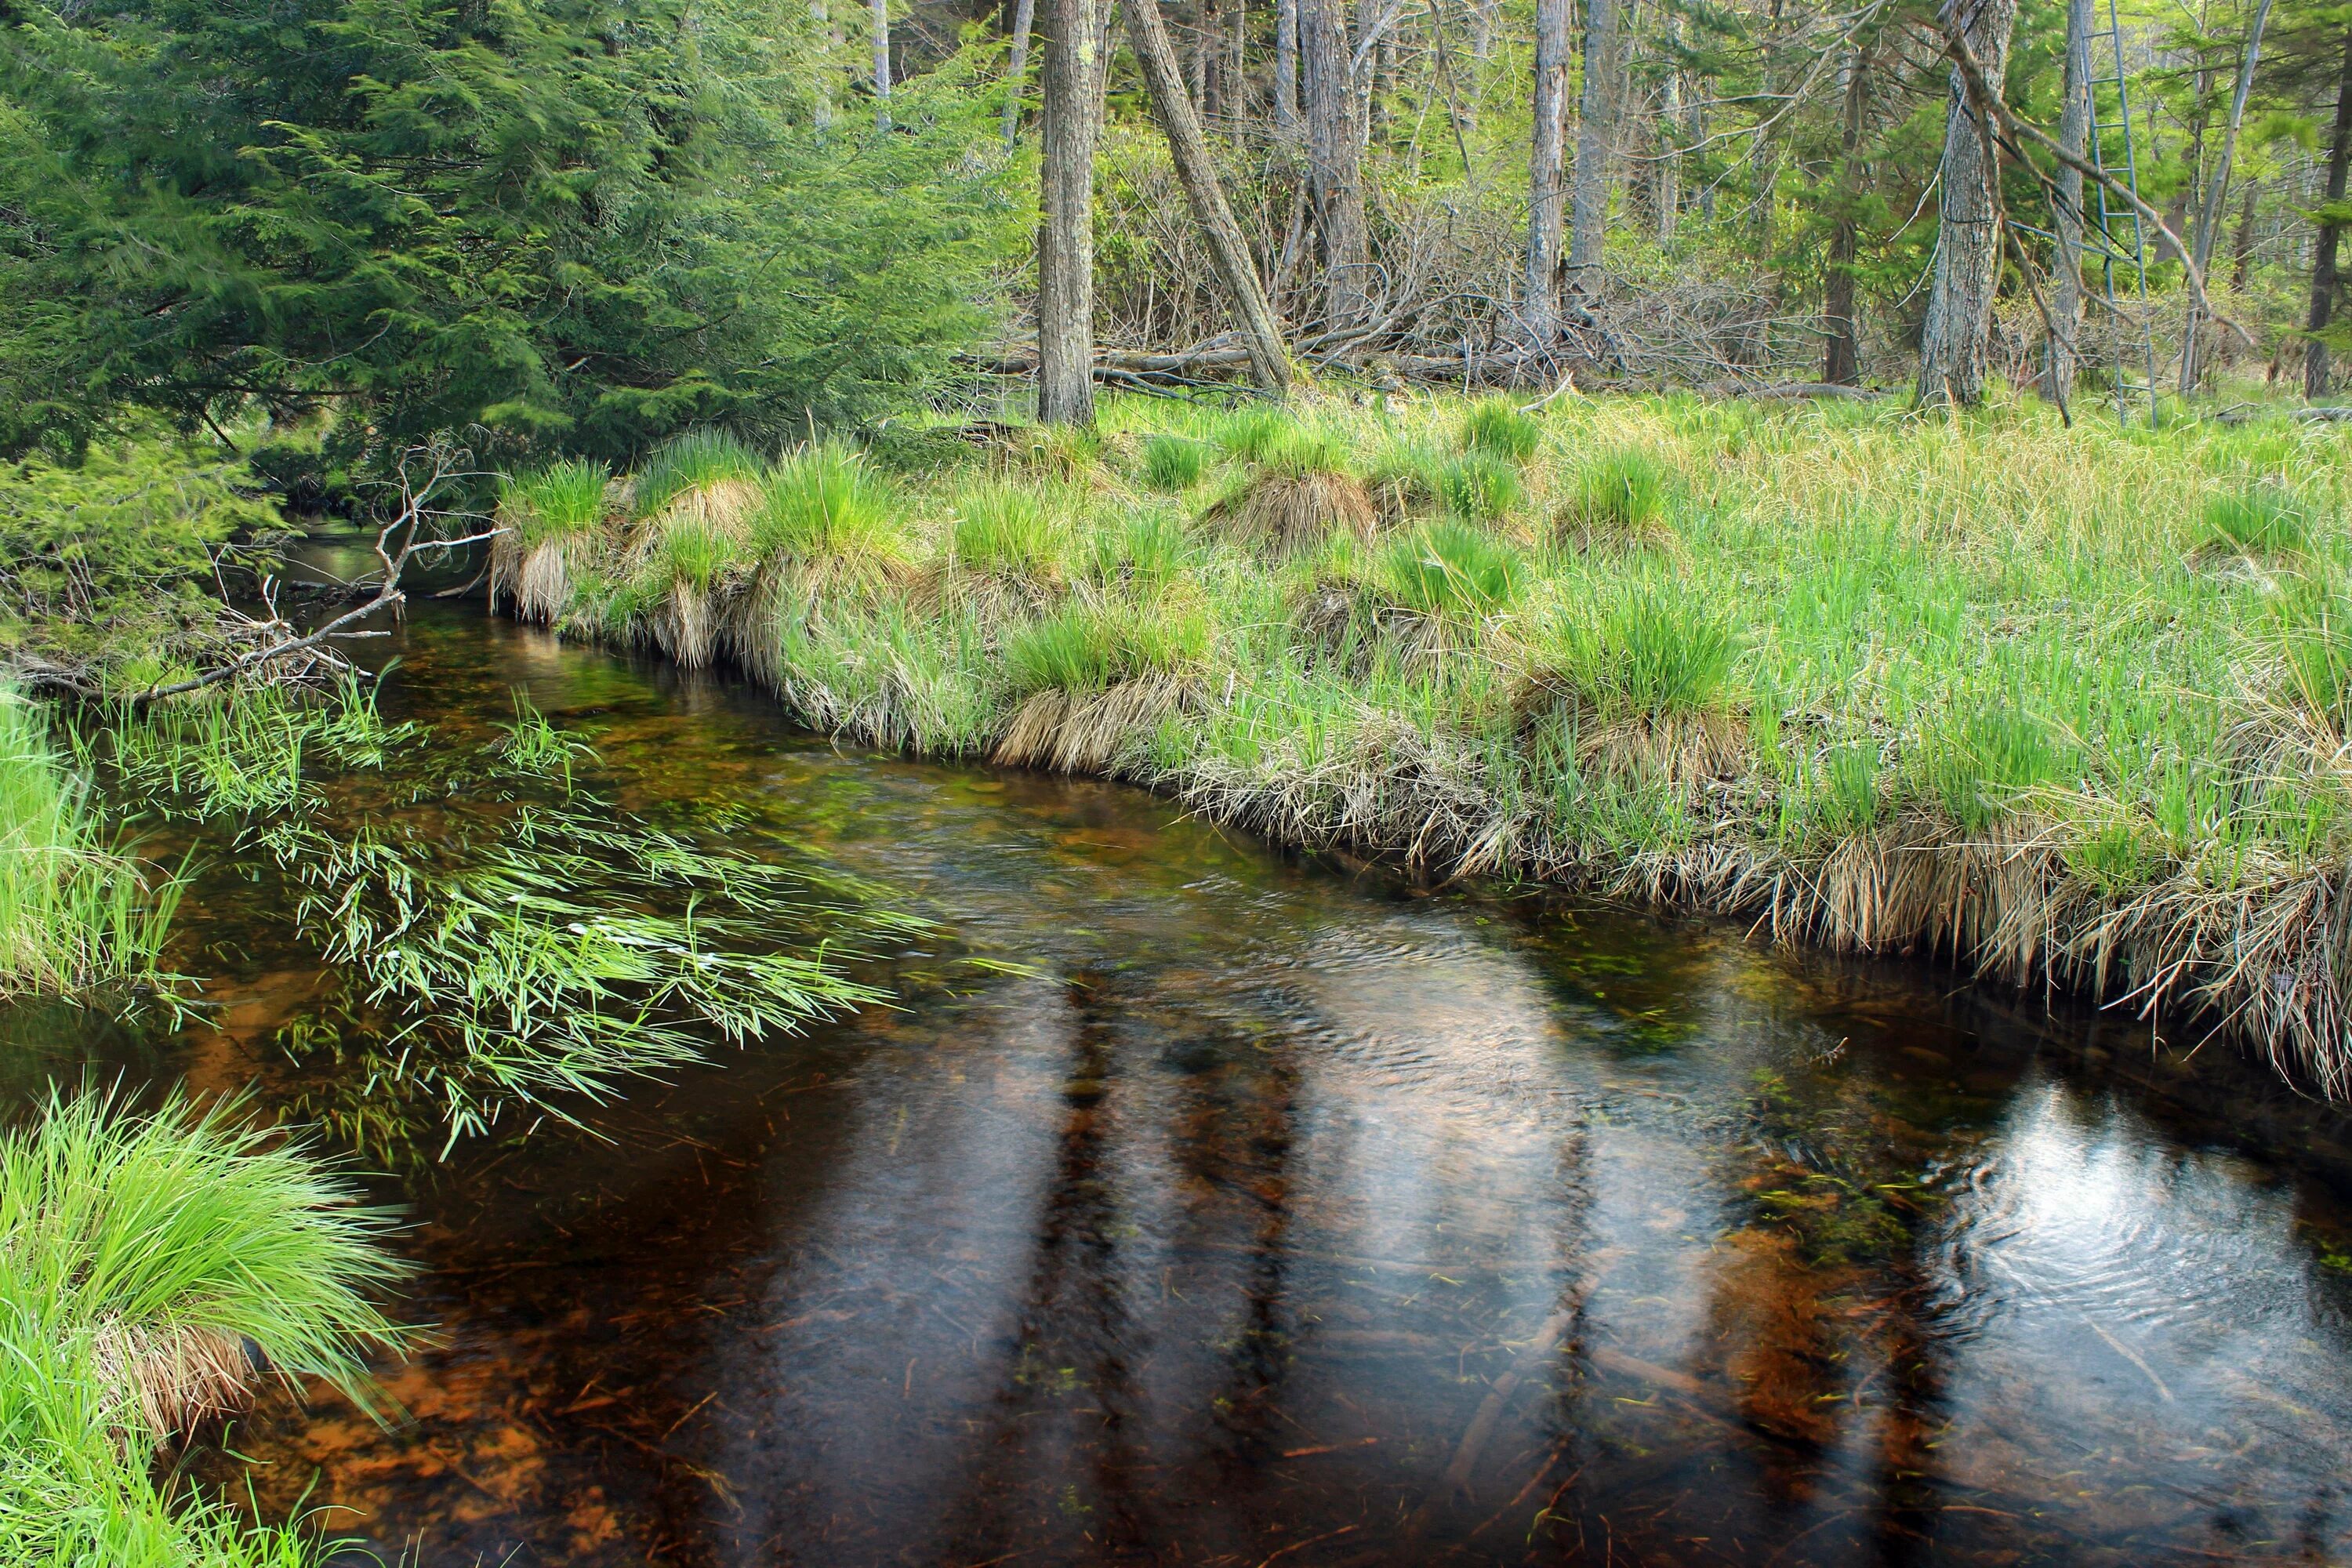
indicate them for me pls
(1017, 69)
(2323, 253)
(1071, 40)
(1958, 333)
(820, 108)
(1669, 152)
(881, 14)
(2062, 356)
(1539, 299)
(2209, 216)
(1334, 162)
(1285, 66)
(1842, 347)
(1261, 334)
(1596, 132)
(2244, 262)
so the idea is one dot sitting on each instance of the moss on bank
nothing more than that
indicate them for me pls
(2069, 706)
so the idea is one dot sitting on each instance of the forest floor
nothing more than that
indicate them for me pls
(2067, 705)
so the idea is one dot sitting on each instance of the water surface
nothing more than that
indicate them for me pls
(1284, 1214)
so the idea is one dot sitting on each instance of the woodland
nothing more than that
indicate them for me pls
(1875, 470)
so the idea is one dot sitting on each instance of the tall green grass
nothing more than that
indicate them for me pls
(692, 461)
(145, 1252)
(559, 501)
(75, 911)
(1782, 637)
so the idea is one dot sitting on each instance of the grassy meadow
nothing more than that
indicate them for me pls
(2070, 706)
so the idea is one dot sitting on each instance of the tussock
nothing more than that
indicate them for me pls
(1957, 689)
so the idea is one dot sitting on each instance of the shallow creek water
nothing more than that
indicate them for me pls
(1289, 1213)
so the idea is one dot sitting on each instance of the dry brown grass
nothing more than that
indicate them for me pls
(1290, 515)
(1087, 732)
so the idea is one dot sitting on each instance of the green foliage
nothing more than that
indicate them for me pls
(1084, 648)
(1447, 570)
(74, 911)
(693, 460)
(1174, 462)
(1251, 432)
(106, 568)
(145, 1252)
(2262, 520)
(1007, 529)
(2311, 625)
(1478, 487)
(562, 501)
(1618, 498)
(1494, 426)
(824, 502)
(1654, 653)
(533, 746)
(578, 225)
(1301, 453)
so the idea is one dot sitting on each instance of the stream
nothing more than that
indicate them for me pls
(1267, 1211)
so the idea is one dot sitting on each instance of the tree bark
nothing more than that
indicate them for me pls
(1539, 298)
(2323, 253)
(1017, 69)
(1285, 66)
(2062, 356)
(1841, 345)
(2209, 215)
(1260, 334)
(1072, 42)
(2244, 262)
(1958, 333)
(1669, 152)
(1596, 133)
(881, 14)
(1334, 162)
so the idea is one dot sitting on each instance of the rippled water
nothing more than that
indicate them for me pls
(1285, 1215)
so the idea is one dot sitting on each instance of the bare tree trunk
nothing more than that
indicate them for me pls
(1841, 349)
(2209, 215)
(1539, 299)
(1596, 132)
(881, 13)
(2323, 253)
(2243, 263)
(1072, 41)
(821, 111)
(2062, 356)
(1958, 333)
(1285, 66)
(1334, 161)
(1261, 334)
(1017, 69)
(1669, 151)
(1198, 56)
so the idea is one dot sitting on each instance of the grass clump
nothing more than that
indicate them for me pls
(1617, 500)
(708, 468)
(550, 520)
(1302, 493)
(1653, 654)
(1095, 681)
(1250, 434)
(1479, 488)
(74, 912)
(1448, 571)
(2261, 520)
(825, 505)
(1174, 463)
(1005, 531)
(1495, 427)
(146, 1252)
